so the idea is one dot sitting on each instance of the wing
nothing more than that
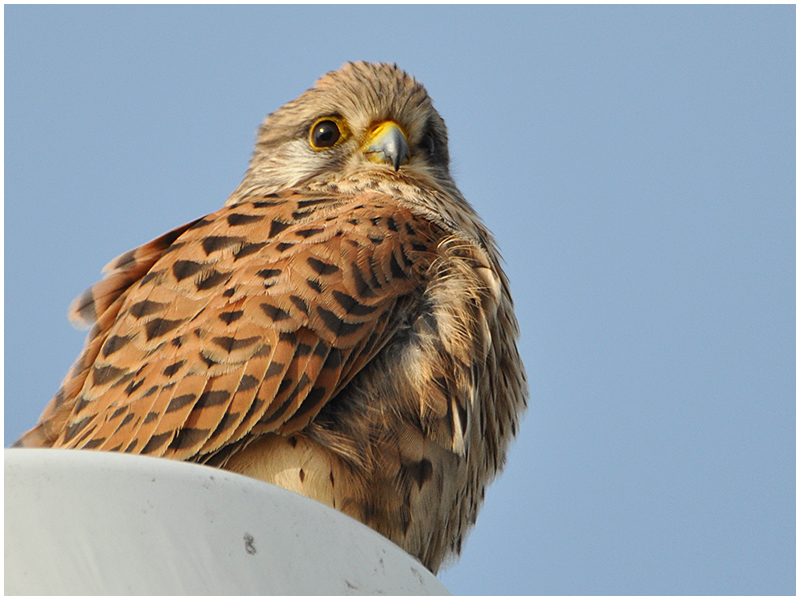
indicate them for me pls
(245, 321)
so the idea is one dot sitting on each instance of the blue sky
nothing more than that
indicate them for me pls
(637, 166)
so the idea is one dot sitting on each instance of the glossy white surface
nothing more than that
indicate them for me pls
(79, 522)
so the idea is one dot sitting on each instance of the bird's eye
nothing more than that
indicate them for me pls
(324, 134)
(428, 144)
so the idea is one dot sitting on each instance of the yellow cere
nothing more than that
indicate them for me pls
(380, 130)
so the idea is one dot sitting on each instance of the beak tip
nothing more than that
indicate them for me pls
(388, 146)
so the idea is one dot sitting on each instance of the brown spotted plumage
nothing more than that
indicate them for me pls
(341, 327)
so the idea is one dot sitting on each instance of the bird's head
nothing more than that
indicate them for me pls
(364, 119)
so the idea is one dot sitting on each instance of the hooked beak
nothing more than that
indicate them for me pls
(386, 144)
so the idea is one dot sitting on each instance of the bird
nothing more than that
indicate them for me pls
(342, 327)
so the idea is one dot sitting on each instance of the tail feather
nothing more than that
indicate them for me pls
(97, 305)
(121, 273)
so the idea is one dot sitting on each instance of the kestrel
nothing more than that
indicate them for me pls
(342, 327)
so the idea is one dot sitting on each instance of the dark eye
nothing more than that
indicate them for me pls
(428, 144)
(325, 133)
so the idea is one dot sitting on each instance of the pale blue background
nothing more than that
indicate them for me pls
(637, 165)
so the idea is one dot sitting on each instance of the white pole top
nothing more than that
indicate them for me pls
(83, 522)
